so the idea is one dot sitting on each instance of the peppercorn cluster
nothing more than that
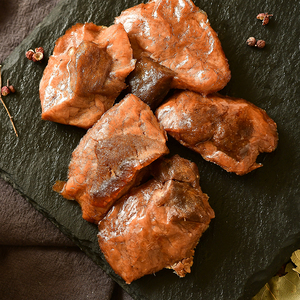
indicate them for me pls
(35, 55)
(264, 17)
(7, 89)
(251, 41)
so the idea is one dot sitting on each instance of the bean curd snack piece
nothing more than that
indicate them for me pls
(112, 156)
(177, 35)
(85, 74)
(229, 132)
(157, 224)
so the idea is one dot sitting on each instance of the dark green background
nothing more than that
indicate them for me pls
(257, 216)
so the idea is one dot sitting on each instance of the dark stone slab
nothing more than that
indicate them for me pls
(257, 216)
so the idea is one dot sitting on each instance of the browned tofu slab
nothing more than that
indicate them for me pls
(178, 35)
(227, 131)
(85, 74)
(109, 158)
(158, 224)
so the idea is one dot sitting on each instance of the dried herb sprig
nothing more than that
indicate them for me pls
(9, 115)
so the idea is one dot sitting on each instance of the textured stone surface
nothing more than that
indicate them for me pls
(257, 216)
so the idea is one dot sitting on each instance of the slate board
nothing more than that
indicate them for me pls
(257, 216)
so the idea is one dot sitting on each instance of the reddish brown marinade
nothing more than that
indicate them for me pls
(227, 131)
(111, 156)
(177, 34)
(150, 81)
(85, 74)
(158, 224)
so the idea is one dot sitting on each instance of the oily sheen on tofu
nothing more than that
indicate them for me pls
(111, 156)
(158, 224)
(177, 34)
(85, 74)
(229, 132)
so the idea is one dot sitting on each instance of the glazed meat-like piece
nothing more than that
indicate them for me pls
(85, 74)
(227, 131)
(110, 157)
(158, 224)
(150, 81)
(177, 34)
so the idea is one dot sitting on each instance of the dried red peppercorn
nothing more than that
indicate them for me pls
(39, 49)
(29, 54)
(12, 89)
(251, 41)
(5, 91)
(260, 44)
(36, 55)
(264, 17)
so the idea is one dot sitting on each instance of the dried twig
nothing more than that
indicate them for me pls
(9, 115)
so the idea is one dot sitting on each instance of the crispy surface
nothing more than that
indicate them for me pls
(227, 131)
(158, 224)
(85, 74)
(178, 35)
(109, 158)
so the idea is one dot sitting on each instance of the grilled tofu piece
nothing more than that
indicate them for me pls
(227, 131)
(111, 156)
(177, 34)
(158, 224)
(85, 74)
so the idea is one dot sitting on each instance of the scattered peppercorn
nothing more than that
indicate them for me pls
(5, 91)
(251, 41)
(29, 54)
(39, 49)
(260, 16)
(260, 44)
(12, 89)
(266, 20)
(264, 17)
(36, 55)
